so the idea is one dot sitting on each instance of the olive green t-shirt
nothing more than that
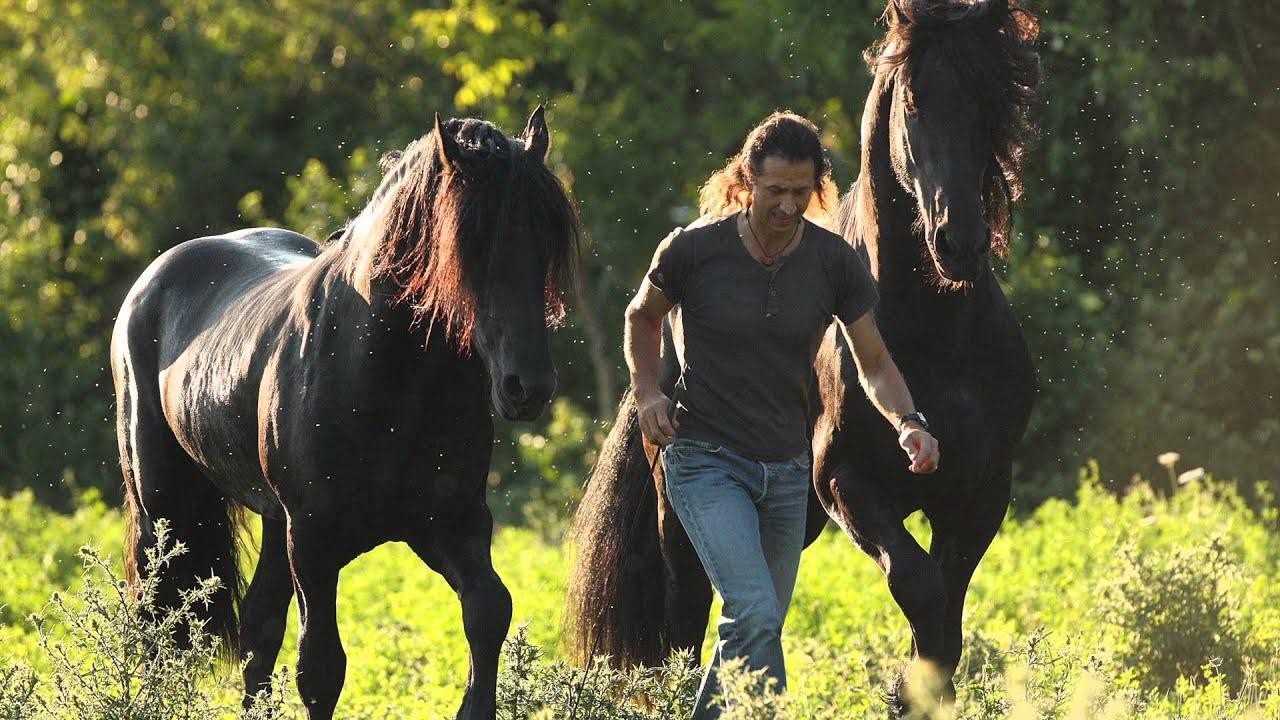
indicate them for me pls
(747, 335)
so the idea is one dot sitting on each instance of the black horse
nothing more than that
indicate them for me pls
(942, 136)
(343, 394)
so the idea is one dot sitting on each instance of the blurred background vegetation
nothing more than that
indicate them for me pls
(1144, 267)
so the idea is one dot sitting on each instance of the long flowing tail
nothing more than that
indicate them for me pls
(211, 534)
(161, 481)
(617, 587)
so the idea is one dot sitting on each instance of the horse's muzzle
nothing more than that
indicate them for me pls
(520, 398)
(960, 257)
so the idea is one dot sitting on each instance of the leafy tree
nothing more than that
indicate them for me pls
(1144, 271)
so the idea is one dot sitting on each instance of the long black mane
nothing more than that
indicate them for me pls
(437, 230)
(992, 45)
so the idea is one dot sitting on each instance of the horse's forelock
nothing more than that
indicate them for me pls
(1007, 32)
(442, 227)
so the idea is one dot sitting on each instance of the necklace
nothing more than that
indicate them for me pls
(768, 258)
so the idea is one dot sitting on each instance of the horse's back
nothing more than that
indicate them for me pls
(201, 276)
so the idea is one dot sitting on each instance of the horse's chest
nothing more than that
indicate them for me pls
(965, 409)
(387, 466)
(961, 413)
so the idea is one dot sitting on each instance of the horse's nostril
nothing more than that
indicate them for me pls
(944, 247)
(513, 388)
(963, 246)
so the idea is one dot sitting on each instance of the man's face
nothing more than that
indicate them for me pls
(781, 192)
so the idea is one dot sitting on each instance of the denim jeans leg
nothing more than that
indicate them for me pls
(782, 524)
(714, 494)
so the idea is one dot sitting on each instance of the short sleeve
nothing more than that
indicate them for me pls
(859, 292)
(670, 266)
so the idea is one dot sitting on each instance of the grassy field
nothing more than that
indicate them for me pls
(1155, 604)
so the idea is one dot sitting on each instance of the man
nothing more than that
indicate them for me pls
(754, 292)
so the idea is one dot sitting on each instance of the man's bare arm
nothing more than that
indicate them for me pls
(642, 345)
(887, 391)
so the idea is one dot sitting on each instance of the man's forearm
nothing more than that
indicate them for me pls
(642, 345)
(887, 391)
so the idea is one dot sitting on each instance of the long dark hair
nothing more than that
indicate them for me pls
(783, 134)
(440, 228)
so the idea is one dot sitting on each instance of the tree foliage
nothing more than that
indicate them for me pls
(1144, 266)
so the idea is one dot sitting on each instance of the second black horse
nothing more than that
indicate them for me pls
(343, 393)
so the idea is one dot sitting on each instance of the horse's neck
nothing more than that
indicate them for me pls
(390, 332)
(360, 251)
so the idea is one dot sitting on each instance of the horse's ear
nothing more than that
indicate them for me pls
(446, 147)
(1026, 25)
(537, 138)
(899, 12)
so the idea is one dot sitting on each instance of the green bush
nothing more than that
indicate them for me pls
(1035, 643)
(112, 654)
(532, 687)
(1177, 613)
(18, 693)
(39, 549)
(1202, 369)
(1034, 678)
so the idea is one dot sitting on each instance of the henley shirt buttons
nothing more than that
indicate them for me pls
(771, 302)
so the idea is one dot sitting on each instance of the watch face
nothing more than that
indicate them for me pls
(914, 417)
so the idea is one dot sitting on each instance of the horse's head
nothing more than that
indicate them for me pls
(534, 230)
(492, 247)
(962, 75)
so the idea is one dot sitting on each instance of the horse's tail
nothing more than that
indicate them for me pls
(162, 481)
(211, 535)
(617, 587)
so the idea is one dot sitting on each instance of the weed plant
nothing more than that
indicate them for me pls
(1146, 604)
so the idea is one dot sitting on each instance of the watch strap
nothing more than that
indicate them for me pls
(912, 417)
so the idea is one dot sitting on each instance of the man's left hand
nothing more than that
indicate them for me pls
(922, 448)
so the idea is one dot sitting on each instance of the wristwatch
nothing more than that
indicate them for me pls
(909, 417)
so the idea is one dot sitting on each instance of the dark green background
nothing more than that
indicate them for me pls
(1144, 266)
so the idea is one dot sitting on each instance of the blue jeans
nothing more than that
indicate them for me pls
(746, 520)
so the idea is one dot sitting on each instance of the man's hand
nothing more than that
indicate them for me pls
(656, 422)
(921, 447)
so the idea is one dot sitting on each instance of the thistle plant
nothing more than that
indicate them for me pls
(113, 654)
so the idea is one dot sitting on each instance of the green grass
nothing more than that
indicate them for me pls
(1084, 601)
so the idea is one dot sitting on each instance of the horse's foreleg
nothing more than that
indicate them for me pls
(322, 663)
(914, 579)
(687, 601)
(460, 552)
(265, 608)
(957, 551)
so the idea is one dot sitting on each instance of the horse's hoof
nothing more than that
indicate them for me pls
(897, 705)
